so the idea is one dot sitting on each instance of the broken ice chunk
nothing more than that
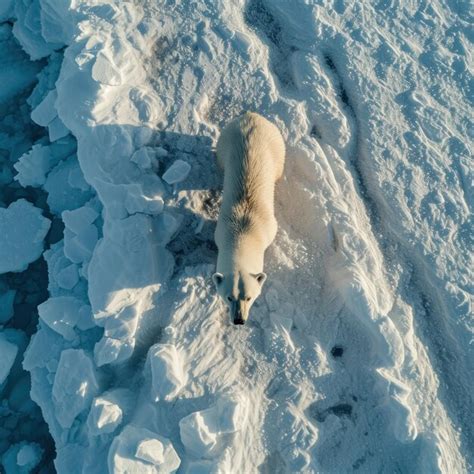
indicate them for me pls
(201, 431)
(145, 158)
(28, 456)
(36, 356)
(165, 225)
(196, 435)
(78, 219)
(6, 305)
(79, 248)
(104, 416)
(8, 353)
(177, 172)
(138, 200)
(105, 71)
(151, 450)
(33, 166)
(21, 458)
(168, 375)
(85, 320)
(57, 129)
(76, 178)
(136, 450)
(66, 186)
(45, 112)
(68, 277)
(61, 314)
(22, 231)
(75, 385)
(161, 152)
(109, 350)
(27, 30)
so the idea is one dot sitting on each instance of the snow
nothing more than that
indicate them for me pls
(361, 342)
(167, 371)
(23, 229)
(202, 431)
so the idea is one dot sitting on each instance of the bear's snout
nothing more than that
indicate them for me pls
(239, 312)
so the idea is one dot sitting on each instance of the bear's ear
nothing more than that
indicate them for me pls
(261, 277)
(217, 278)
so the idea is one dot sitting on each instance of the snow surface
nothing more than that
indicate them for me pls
(358, 355)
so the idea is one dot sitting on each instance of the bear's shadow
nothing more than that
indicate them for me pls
(194, 201)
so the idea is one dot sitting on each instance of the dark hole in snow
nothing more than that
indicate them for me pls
(337, 351)
(315, 132)
(344, 409)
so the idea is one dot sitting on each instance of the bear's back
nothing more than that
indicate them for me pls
(253, 138)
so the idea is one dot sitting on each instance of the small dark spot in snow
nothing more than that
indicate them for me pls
(344, 409)
(329, 62)
(344, 97)
(337, 351)
(315, 133)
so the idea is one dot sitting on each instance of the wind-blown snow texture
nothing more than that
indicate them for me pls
(357, 356)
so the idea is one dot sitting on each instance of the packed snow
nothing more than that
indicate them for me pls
(358, 354)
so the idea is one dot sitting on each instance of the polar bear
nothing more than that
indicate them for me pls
(251, 151)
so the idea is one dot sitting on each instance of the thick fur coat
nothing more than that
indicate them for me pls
(251, 151)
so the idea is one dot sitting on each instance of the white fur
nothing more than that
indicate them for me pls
(251, 151)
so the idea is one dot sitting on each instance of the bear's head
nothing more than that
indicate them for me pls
(239, 290)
